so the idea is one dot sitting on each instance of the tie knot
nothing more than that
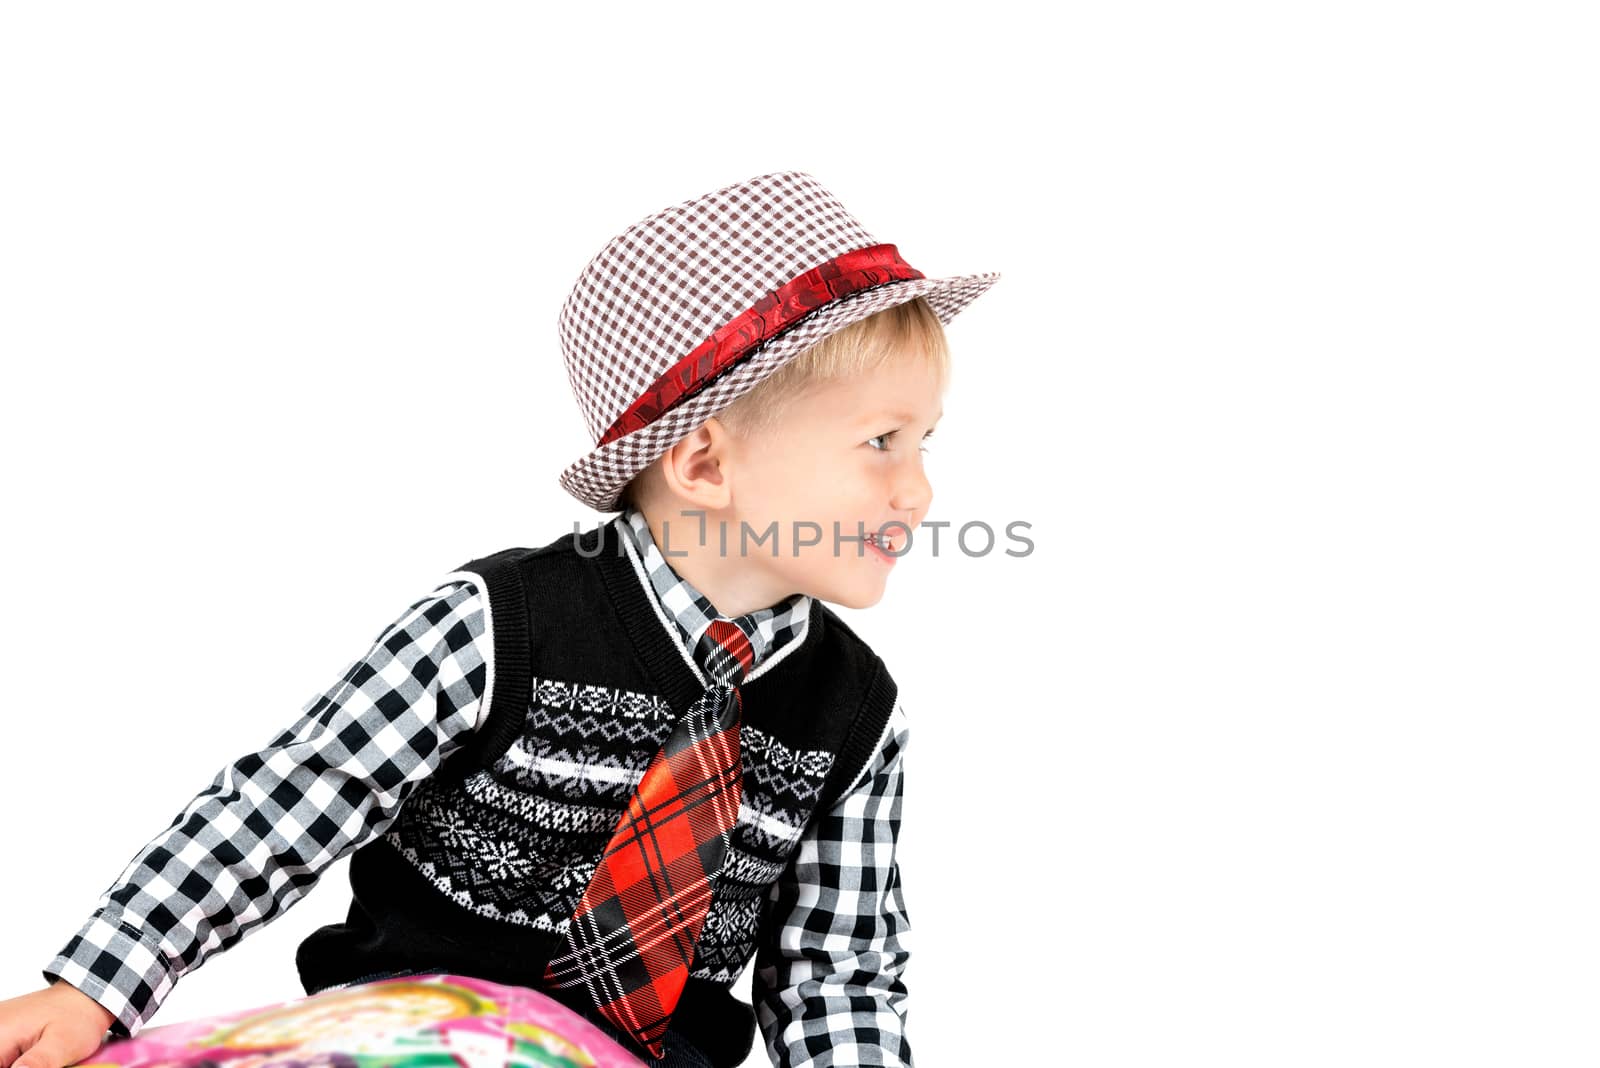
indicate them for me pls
(726, 652)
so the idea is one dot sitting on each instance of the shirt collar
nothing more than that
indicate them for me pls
(769, 629)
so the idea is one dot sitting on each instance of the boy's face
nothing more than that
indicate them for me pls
(848, 452)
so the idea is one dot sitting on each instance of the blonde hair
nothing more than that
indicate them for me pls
(910, 328)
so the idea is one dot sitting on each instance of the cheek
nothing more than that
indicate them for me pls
(816, 476)
(786, 487)
(807, 485)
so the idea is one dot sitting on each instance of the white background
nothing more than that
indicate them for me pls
(1280, 748)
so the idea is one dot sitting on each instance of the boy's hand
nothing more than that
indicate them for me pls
(51, 1028)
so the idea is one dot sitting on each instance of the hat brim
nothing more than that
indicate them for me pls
(599, 478)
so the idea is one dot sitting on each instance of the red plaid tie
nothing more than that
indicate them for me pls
(633, 936)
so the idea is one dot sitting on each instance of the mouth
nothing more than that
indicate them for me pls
(882, 545)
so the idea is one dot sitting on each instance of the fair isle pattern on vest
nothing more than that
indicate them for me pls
(519, 840)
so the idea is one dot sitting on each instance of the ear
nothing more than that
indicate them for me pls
(697, 468)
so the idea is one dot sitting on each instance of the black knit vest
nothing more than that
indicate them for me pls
(494, 848)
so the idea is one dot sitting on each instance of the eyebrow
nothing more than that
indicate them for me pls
(904, 417)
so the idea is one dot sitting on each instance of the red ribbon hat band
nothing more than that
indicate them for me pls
(850, 272)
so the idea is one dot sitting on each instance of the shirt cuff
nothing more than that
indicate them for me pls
(118, 965)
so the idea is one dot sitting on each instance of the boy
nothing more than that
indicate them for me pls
(620, 766)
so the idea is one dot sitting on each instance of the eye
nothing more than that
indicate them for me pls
(892, 433)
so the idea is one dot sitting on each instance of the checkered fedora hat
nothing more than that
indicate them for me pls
(690, 308)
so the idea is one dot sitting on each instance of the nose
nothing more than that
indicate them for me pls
(912, 490)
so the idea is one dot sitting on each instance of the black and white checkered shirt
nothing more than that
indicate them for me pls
(254, 841)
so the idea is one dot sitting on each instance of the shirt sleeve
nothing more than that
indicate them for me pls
(829, 984)
(253, 842)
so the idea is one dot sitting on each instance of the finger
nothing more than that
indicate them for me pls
(45, 1053)
(14, 1042)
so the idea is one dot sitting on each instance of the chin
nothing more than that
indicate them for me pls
(854, 598)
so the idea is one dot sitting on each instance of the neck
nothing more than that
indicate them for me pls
(690, 542)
